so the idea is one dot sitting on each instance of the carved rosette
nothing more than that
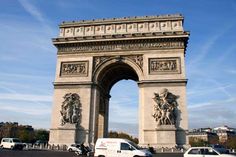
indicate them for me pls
(79, 68)
(137, 59)
(165, 109)
(71, 109)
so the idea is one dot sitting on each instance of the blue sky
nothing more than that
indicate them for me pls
(28, 58)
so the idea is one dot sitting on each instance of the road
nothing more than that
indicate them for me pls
(38, 153)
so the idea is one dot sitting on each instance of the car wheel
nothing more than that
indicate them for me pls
(70, 150)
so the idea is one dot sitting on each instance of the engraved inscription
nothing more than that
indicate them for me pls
(79, 68)
(164, 65)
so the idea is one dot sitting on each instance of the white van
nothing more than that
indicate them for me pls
(116, 147)
(11, 143)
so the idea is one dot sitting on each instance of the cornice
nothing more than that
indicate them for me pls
(163, 82)
(115, 37)
(122, 45)
(121, 20)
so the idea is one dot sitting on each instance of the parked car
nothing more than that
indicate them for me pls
(221, 149)
(11, 143)
(74, 148)
(204, 152)
(118, 147)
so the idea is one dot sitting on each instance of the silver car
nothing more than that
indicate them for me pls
(204, 152)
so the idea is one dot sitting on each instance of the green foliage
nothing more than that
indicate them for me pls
(231, 143)
(25, 133)
(114, 134)
(41, 134)
(197, 142)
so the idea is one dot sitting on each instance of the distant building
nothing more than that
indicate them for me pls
(9, 129)
(212, 135)
(225, 133)
(209, 137)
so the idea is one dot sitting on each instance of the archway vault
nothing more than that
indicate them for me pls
(117, 68)
(94, 55)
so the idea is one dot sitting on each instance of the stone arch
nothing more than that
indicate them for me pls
(105, 76)
(117, 62)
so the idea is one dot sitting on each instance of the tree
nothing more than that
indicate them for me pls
(114, 134)
(41, 134)
(194, 142)
(231, 143)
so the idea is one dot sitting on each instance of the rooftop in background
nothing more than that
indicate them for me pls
(216, 129)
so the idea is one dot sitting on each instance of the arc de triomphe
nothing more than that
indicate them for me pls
(94, 55)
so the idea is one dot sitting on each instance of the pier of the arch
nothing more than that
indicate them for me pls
(94, 55)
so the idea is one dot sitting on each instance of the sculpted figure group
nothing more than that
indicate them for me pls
(70, 109)
(165, 109)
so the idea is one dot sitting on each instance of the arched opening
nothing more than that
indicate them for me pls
(108, 76)
(123, 108)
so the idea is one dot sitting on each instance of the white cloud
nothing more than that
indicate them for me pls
(213, 113)
(131, 129)
(208, 45)
(231, 71)
(32, 10)
(26, 97)
(26, 109)
(123, 113)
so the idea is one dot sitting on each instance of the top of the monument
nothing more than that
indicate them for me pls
(123, 26)
(122, 20)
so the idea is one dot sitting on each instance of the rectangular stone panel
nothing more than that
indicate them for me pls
(164, 66)
(77, 68)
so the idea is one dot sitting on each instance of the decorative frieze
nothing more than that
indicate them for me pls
(120, 46)
(78, 68)
(124, 25)
(137, 59)
(164, 65)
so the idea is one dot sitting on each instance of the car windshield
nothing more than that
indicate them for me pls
(16, 140)
(134, 145)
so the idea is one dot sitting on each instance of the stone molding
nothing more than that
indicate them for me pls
(144, 44)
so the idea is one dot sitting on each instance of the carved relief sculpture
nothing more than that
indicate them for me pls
(164, 65)
(79, 68)
(70, 109)
(137, 59)
(165, 109)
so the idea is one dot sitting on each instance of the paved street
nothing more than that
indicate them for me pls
(37, 153)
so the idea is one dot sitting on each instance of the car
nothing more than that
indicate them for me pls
(74, 148)
(119, 147)
(11, 143)
(204, 152)
(221, 149)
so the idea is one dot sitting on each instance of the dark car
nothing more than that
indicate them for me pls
(221, 149)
